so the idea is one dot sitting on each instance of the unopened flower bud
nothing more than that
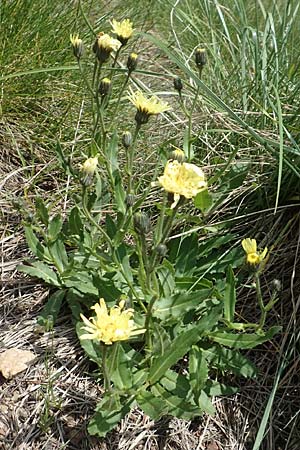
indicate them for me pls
(130, 200)
(178, 155)
(104, 86)
(132, 62)
(200, 57)
(141, 223)
(77, 45)
(178, 84)
(161, 250)
(127, 139)
(88, 170)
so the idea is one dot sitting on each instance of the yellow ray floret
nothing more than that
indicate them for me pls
(123, 30)
(111, 325)
(108, 43)
(146, 107)
(252, 255)
(182, 179)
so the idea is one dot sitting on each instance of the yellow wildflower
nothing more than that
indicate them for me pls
(253, 256)
(104, 45)
(123, 30)
(110, 326)
(182, 179)
(146, 107)
(88, 169)
(77, 45)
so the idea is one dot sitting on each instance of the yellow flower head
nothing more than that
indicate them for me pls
(182, 179)
(111, 325)
(104, 45)
(123, 30)
(88, 169)
(253, 256)
(146, 107)
(77, 45)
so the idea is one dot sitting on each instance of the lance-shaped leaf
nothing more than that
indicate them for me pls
(181, 345)
(242, 340)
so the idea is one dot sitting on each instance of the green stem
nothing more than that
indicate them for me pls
(148, 336)
(130, 157)
(107, 385)
(165, 233)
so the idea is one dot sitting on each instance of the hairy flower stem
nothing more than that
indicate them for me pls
(130, 158)
(107, 385)
(260, 302)
(164, 233)
(148, 335)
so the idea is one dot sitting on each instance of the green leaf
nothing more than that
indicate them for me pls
(50, 311)
(41, 270)
(161, 339)
(181, 344)
(91, 348)
(106, 289)
(59, 253)
(187, 255)
(75, 223)
(110, 226)
(165, 274)
(198, 371)
(82, 281)
(176, 383)
(229, 296)
(187, 283)
(205, 404)
(230, 360)
(216, 389)
(177, 305)
(203, 200)
(242, 340)
(109, 412)
(55, 227)
(155, 407)
(38, 249)
(176, 406)
(42, 211)
(120, 366)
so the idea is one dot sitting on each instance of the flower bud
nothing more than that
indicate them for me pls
(178, 155)
(141, 223)
(130, 200)
(104, 86)
(200, 57)
(161, 250)
(77, 45)
(88, 170)
(132, 62)
(178, 84)
(127, 139)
